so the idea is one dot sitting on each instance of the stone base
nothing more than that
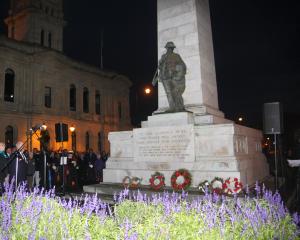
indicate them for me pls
(197, 115)
(172, 141)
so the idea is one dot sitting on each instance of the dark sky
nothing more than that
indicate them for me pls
(256, 50)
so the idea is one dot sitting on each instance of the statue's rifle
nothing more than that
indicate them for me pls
(155, 78)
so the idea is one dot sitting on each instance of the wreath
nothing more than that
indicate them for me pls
(232, 185)
(135, 182)
(204, 186)
(157, 181)
(126, 181)
(217, 185)
(181, 179)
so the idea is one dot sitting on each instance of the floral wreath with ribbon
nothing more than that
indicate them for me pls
(232, 186)
(204, 186)
(181, 179)
(157, 181)
(135, 182)
(217, 185)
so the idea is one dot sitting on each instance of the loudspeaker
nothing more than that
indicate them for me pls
(61, 132)
(273, 118)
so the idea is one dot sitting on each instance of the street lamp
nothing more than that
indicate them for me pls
(72, 129)
(44, 127)
(147, 90)
(73, 136)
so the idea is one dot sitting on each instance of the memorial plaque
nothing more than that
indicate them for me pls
(164, 144)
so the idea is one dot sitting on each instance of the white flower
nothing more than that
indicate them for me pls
(217, 184)
(156, 181)
(180, 180)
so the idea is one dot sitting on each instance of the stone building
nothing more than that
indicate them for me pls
(40, 85)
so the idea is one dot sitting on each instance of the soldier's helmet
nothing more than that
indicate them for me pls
(170, 45)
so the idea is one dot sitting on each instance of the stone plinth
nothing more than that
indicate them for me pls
(208, 151)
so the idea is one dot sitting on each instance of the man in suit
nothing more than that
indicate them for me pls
(3, 162)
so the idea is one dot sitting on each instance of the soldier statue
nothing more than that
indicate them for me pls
(172, 72)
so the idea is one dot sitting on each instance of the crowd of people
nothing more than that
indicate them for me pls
(62, 169)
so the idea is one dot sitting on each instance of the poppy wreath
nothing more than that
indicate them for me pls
(126, 181)
(232, 186)
(181, 179)
(157, 181)
(217, 185)
(203, 186)
(135, 182)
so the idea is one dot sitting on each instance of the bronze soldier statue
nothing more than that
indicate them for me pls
(172, 72)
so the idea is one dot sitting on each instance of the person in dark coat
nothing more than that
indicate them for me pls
(30, 170)
(90, 159)
(3, 162)
(18, 167)
(37, 166)
(99, 166)
(45, 159)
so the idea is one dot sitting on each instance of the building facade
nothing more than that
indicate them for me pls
(40, 85)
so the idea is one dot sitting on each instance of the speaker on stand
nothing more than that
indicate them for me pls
(61, 135)
(273, 125)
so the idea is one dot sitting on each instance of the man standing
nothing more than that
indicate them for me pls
(37, 166)
(172, 72)
(3, 162)
(90, 159)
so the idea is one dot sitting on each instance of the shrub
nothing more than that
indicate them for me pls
(41, 215)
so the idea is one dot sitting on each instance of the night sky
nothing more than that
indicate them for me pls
(256, 51)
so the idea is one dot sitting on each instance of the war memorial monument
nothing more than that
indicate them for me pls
(187, 130)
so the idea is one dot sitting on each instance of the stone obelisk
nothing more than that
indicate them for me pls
(187, 23)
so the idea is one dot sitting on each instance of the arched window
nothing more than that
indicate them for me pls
(49, 40)
(87, 141)
(9, 86)
(72, 97)
(85, 100)
(42, 37)
(97, 103)
(9, 136)
(48, 97)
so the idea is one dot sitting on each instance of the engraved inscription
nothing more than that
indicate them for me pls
(164, 144)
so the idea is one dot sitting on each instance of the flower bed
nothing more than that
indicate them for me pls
(39, 215)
